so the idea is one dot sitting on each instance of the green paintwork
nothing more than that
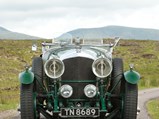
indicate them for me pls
(132, 76)
(55, 98)
(78, 81)
(26, 77)
(102, 98)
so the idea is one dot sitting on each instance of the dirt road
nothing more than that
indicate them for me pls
(144, 96)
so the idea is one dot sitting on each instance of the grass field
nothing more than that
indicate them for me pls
(14, 55)
(153, 108)
(145, 57)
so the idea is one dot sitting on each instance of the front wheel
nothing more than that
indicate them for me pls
(129, 100)
(28, 102)
(37, 69)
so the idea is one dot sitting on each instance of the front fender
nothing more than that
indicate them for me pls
(132, 76)
(26, 77)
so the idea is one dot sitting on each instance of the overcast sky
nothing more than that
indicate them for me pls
(50, 18)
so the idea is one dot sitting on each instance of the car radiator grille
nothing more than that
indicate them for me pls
(78, 69)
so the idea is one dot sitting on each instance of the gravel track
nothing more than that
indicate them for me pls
(144, 97)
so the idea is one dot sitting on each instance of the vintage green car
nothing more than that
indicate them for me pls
(78, 78)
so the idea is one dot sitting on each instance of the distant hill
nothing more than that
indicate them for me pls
(117, 31)
(6, 34)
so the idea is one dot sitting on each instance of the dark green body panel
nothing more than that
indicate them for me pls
(26, 77)
(132, 76)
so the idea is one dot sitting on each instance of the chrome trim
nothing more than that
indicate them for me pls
(71, 52)
(92, 88)
(54, 63)
(65, 88)
(100, 66)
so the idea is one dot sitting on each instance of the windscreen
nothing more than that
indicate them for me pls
(68, 38)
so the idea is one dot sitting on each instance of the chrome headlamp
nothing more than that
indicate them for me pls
(90, 90)
(66, 91)
(102, 67)
(54, 68)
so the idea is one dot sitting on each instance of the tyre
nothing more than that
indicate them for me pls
(27, 102)
(117, 74)
(37, 69)
(130, 99)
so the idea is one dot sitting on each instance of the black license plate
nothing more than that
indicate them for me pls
(79, 112)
